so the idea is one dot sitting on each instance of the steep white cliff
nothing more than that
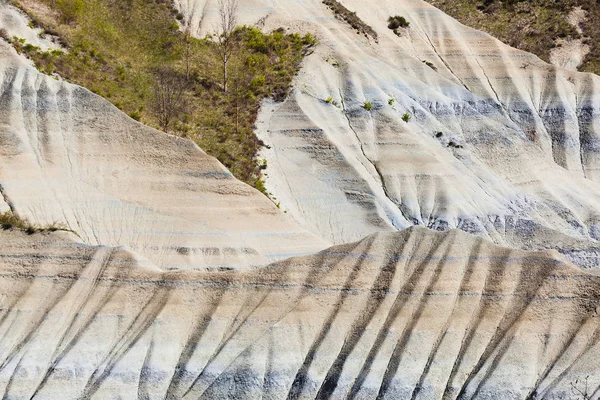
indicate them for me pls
(499, 143)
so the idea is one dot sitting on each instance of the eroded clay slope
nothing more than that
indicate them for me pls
(68, 156)
(414, 314)
(499, 143)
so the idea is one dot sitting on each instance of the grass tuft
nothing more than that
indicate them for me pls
(10, 221)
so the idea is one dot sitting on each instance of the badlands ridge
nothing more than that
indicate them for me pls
(182, 282)
(414, 314)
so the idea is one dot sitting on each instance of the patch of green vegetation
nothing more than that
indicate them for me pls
(391, 101)
(367, 105)
(396, 22)
(44, 60)
(350, 18)
(406, 117)
(531, 25)
(8, 220)
(118, 49)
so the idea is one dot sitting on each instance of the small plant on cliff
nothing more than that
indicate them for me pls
(406, 117)
(8, 220)
(367, 105)
(396, 22)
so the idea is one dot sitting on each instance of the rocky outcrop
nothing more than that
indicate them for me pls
(416, 314)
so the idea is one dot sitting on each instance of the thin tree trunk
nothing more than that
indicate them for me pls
(187, 53)
(225, 74)
(237, 117)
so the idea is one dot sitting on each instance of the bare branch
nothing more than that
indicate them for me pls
(228, 10)
(168, 101)
(585, 395)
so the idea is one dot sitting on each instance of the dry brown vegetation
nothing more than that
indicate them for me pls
(8, 220)
(351, 18)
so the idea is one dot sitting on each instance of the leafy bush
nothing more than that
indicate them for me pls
(70, 9)
(329, 100)
(391, 101)
(397, 22)
(367, 105)
(406, 117)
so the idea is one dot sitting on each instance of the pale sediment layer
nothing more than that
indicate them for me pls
(415, 314)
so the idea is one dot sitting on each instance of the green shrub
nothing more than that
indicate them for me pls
(391, 101)
(406, 117)
(367, 105)
(70, 10)
(259, 184)
(257, 82)
(397, 22)
(329, 100)
(136, 115)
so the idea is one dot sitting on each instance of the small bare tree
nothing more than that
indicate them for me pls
(187, 49)
(168, 97)
(228, 10)
(580, 389)
(241, 79)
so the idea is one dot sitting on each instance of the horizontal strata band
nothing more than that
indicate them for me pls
(418, 313)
